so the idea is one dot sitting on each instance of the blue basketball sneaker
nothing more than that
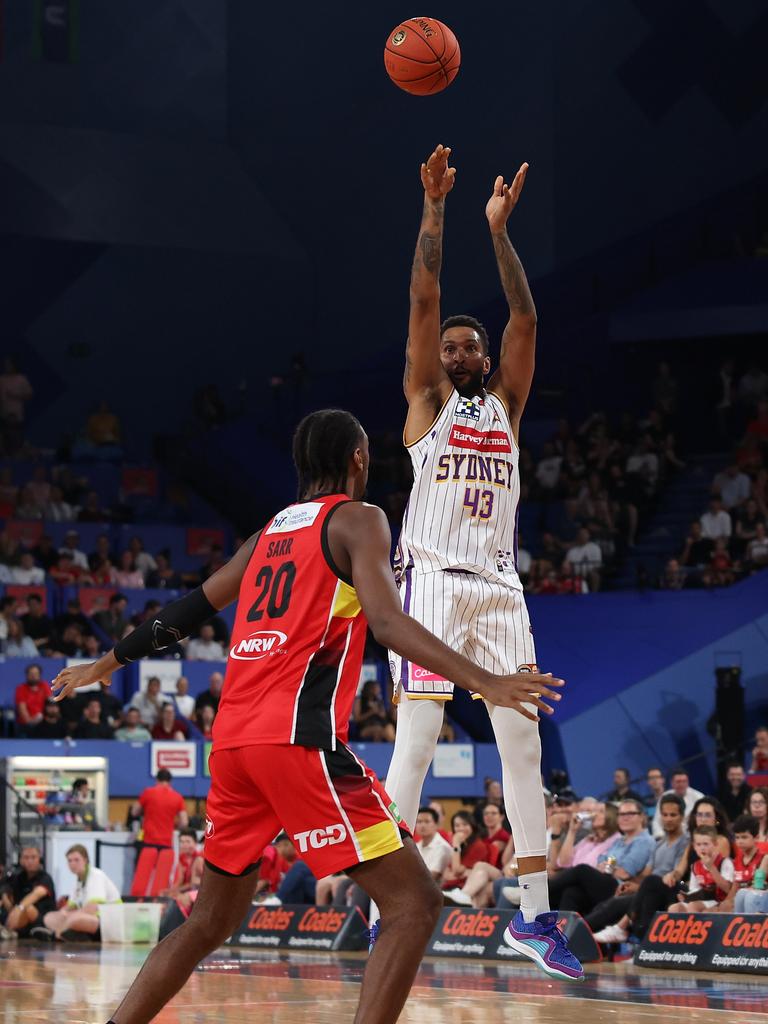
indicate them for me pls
(544, 943)
(373, 934)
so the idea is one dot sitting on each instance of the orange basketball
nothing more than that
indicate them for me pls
(422, 56)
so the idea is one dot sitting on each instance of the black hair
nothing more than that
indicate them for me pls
(746, 823)
(679, 771)
(464, 320)
(188, 832)
(673, 798)
(429, 810)
(79, 783)
(163, 775)
(624, 771)
(323, 444)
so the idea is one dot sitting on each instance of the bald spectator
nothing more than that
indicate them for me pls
(210, 698)
(30, 699)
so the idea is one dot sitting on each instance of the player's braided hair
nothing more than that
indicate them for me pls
(464, 320)
(323, 444)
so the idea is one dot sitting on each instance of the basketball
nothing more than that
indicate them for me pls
(422, 56)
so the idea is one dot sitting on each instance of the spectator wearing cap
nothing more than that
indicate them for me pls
(163, 810)
(30, 699)
(70, 547)
(113, 621)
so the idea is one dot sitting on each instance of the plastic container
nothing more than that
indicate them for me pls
(759, 880)
(130, 923)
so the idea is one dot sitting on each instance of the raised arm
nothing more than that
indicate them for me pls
(175, 622)
(512, 380)
(425, 383)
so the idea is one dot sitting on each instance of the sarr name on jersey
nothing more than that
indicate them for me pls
(258, 645)
(317, 838)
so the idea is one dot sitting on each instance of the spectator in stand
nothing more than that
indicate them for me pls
(28, 507)
(67, 573)
(92, 511)
(674, 577)
(586, 558)
(732, 487)
(711, 875)
(716, 522)
(149, 702)
(734, 794)
(186, 883)
(92, 647)
(111, 708)
(657, 785)
(548, 472)
(28, 895)
(681, 787)
(642, 467)
(581, 888)
(698, 548)
(56, 509)
(70, 547)
(757, 806)
(26, 573)
(216, 560)
(91, 725)
(72, 616)
(185, 703)
(128, 576)
(435, 851)
(30, 699)
(493, 824)
(103, 427)
(276, 861)
(93, 889)
(612, 920)
(603, 829)
(103, 574)
(212, 695)
(468, 848)
(204, 647)
(621, 788)
(113, 621)
(132, 731)
(721, 569)
(40, 486)
(204, 719)
(163, 809)
(757, 549)
(748, 518)
(168, 726)
(370, 715)
(37, 625)
(52, 727)
(7, 612)
(71, 643)
(760, 750)
(749, 855)
(15, 391)
(45, 552)
(145, 563)
(102, 552)
(18, 645)
(164, 576)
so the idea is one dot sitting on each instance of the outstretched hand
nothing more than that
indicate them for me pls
(504, 199)
(436, 176)
(521, 690)
(71, 678)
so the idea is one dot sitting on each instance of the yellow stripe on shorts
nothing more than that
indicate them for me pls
(376, 840)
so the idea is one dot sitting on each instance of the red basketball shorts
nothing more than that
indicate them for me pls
(332, 806)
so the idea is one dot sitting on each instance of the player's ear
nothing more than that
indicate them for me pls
(486, 366)
(357, 459)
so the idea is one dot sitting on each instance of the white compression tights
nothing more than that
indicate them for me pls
(418, 727)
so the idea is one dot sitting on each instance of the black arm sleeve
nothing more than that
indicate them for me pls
(175, 622)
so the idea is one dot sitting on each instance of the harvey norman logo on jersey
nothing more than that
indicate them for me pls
(258, 645)
(479, 440)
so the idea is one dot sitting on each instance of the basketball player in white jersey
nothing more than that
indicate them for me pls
(456, 558)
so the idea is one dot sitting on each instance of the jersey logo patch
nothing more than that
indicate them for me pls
(466, 407)
(297, 517)
(478, 440)
(258, 645)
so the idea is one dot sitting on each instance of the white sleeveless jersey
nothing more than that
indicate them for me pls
(462, 512)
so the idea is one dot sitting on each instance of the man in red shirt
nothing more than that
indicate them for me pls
(30, 700)
(163, 808)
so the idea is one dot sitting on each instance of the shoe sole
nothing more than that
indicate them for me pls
(538, 959)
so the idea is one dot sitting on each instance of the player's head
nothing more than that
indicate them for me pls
(464, 353)
(330, 452)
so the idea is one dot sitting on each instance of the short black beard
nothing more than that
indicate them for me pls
(473, 387)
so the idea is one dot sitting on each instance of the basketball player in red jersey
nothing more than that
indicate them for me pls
(306, 585)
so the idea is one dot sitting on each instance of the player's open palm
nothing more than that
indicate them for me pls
(504, 199)
(75, 676)
(436, 176)
(523, 688)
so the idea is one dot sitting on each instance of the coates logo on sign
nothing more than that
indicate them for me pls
(479, 440)
(479, 925)
(258, 645)
(210, 828)
(328, 921)
(272, 920)
(174, 760)
(423, 675)
(317, 838)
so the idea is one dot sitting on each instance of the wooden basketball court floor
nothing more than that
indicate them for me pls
(78, 984)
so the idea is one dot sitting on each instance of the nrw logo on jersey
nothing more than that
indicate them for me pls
(317, 838)
(479, 440)
(258, 645)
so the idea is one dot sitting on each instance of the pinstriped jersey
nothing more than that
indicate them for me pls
(463, 507)
(297, 643)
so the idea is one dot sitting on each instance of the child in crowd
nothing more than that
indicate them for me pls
(711, 876)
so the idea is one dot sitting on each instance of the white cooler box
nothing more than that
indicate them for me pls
(130, 922)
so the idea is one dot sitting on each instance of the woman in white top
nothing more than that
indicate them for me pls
(93, 887)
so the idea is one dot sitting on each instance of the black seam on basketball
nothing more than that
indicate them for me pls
(413, 60)
(410, 81)
(447, 60)
(439, 56)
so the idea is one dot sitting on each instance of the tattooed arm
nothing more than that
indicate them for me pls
(512, 380)
(425, 383)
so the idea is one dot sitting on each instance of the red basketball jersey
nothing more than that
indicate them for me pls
(296, 649)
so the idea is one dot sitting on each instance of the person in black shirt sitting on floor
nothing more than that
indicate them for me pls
(26, 896)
